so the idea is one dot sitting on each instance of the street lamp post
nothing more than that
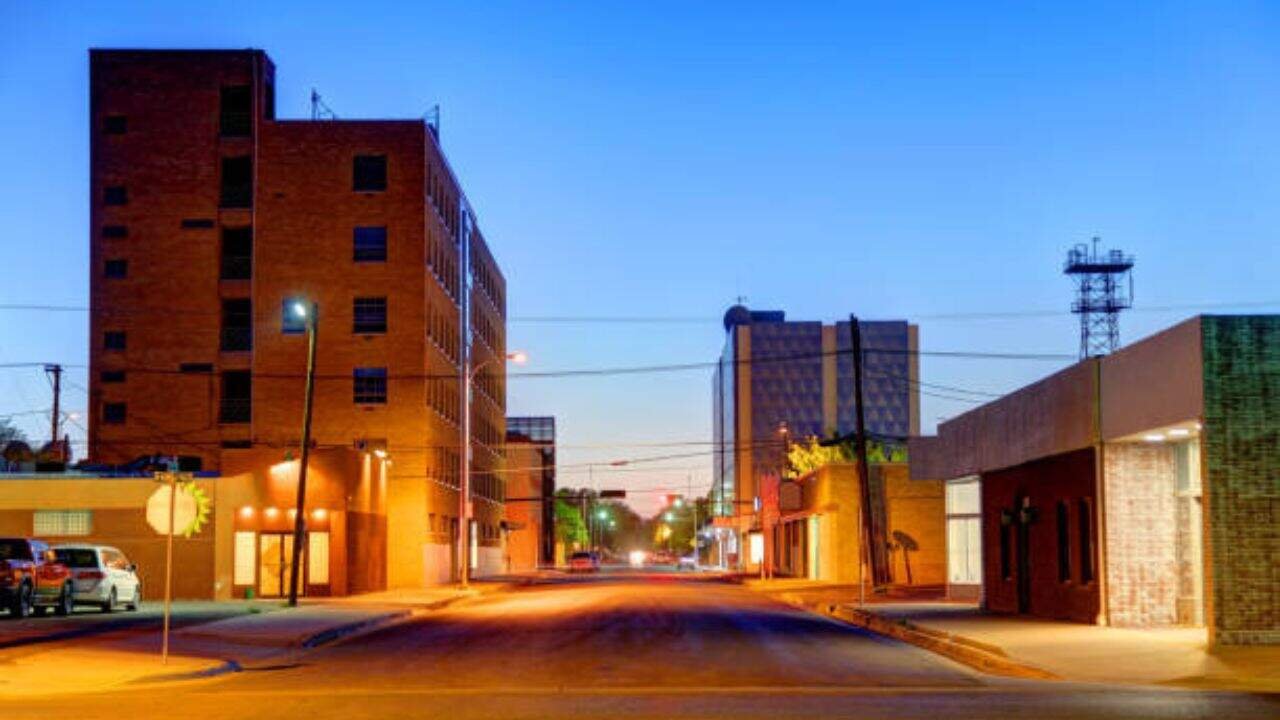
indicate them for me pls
(310, 314)
(464, 461)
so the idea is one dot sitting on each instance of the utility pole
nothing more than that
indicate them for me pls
(311, 314)
(860, 445)
(55, 371)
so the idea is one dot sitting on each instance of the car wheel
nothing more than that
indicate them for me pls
(20, 605)
(136, 602)
(110, 604)
(66, 601)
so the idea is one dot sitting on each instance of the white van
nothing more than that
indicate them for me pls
(101, 576)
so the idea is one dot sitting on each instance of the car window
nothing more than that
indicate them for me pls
(123, 560)
(113, 559)
(77, 557)
(15, 550)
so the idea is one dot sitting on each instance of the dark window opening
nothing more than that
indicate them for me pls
(115, 269)
(111, 376)
(115, 125)
(369, 316)
(236, 262)
(1085, 521)
(195, 368)
(370, 244)
(269, 101)
(237, 444)
(369, 386)
(369, 173)
(113, 413)
(1064, 543)
(235, 112)
(235, 403)
(237, 325)
(113, 340)
(191, 223)
(291, 323)
(237, 182)
(1006, 561)
(115, 195)
(115, 231)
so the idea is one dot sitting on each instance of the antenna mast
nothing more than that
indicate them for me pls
(1104, 287)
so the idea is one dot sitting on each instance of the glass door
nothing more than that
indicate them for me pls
(275, 558)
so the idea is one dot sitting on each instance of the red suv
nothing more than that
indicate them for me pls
(31, 578)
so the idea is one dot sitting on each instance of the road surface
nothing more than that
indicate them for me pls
(635, 647)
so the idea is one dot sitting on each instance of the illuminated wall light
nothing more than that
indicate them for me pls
(382, 454)
(319, 514)
(271, 512)
(1153, 438)
(246, 512)
(293, 513)
(1179, 432)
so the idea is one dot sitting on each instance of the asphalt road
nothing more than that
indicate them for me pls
(631, 647)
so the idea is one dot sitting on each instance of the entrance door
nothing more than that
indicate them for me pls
(275, 558)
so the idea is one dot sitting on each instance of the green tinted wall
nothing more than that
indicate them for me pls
(1241, 445)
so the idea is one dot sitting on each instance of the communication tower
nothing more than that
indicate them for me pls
(1104, 287)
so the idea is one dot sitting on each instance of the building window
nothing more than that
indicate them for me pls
(1064, 544)
(196, 223)
(369, 316)
(244, 558)
(235, 403)
(235, 111)
(236, 262)
(370, 386)
(115, 195)
(237, 325)
(61, 523)
(290, 322)
(1006, 562)
(115, 125)
(369, 173)
(115, 231)
(111, 376)
(1085, 521)
(317, 558)
(113, 340)
(115, 269)
(195, 368)
(113, 413)
(370, 244)
(237, 182)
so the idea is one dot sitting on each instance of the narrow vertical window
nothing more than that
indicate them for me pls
(1064, 543)
(235, 111)
(237, 325)
(236, 260)
(369, 173)
(369, 386)
(1085, 520)
(237, 182)
(1006, 562)
(236, 400)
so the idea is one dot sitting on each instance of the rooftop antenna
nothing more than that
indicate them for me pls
(1104, 287)
(319, 110)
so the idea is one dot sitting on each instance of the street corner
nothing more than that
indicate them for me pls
(71, 670)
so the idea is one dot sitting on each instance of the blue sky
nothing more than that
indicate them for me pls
(660, 159)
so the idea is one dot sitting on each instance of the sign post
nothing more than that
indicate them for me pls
(177, 506)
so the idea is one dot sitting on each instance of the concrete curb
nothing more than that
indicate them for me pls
(987, 658)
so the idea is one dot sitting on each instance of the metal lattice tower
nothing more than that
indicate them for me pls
(1104, 287)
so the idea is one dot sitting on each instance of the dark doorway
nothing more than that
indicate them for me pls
(1022, 525)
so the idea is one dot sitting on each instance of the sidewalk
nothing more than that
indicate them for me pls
(257, 639)
(1044, 649)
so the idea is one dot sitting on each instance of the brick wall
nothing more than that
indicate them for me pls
(1142, 535)
(1068, 477)
(1241, 448)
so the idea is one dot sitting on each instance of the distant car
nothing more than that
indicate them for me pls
(688, 562)
(584, 562)
(662, 557)
(101, 576)
(32, 579)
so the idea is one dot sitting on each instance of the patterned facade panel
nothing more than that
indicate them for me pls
(886, 376)
(786, 385)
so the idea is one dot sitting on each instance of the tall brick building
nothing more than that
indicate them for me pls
(1139, 489)
(210, 217)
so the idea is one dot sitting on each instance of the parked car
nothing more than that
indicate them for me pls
(687, 562)
(32, 579)
(583, 561)
(101, 576)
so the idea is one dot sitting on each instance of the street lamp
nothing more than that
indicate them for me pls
(309, 313)
(469, 374)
